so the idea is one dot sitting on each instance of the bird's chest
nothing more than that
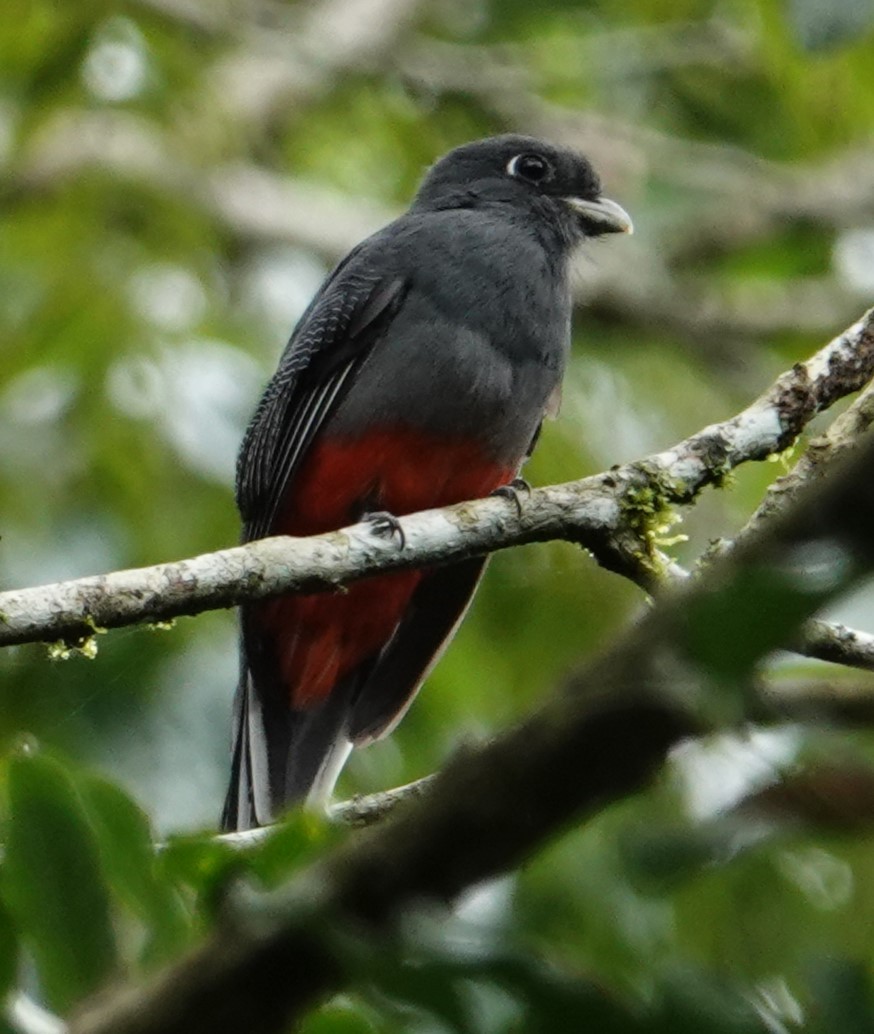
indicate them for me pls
(484, 343)
(499, 351)
(474, 354)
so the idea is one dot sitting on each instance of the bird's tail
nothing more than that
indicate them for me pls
(283, 756)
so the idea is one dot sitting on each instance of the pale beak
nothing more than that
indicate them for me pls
(601, 215)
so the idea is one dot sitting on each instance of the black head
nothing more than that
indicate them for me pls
(555, 185)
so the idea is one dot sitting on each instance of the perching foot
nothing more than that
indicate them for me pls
(386, 526)
(514, 492)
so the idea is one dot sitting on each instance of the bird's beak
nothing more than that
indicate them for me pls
(600, 215)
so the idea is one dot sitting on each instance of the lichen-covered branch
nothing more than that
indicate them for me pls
(616, 515)
(836, 643)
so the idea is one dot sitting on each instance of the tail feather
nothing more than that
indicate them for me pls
(282, 756)
(318, 745)
(247, 803)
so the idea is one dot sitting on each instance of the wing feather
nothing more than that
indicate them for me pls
(336, 334)
(333, 338)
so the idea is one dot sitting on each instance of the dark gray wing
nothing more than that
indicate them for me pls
(317, 367)
(335, 335)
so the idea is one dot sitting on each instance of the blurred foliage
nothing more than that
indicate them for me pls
(146, 287)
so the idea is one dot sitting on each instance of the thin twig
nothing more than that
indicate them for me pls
(359, 811)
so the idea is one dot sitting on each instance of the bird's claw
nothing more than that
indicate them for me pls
(514, 491)
(386, 526)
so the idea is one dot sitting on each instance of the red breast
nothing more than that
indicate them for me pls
(320, 638)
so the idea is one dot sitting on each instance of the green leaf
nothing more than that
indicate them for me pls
(299, 838)
(661, 856)
(205, 864)
(54, 882)
(553, 1001)
(457, 973)
(200, 863)
(694, 1003)
(127, 849)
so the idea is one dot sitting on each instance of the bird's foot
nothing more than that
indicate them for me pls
(514, 492)
(386, 526)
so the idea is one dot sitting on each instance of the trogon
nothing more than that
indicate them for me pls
(418, 377)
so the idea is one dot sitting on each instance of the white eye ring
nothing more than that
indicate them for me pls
(544, 168)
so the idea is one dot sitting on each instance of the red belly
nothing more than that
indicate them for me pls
(319, 639)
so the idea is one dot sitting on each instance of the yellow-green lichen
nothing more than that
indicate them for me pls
(785, 457)
(63, 651)
(83, 646)
(648, 510)
(724, 477)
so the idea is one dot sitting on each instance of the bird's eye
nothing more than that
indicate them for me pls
(531, 167)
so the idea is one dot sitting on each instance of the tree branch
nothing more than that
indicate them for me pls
(838, 644)
(841, 702)
(836, 701)
(616, 515)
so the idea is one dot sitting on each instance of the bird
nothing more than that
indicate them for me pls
(418, 377)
